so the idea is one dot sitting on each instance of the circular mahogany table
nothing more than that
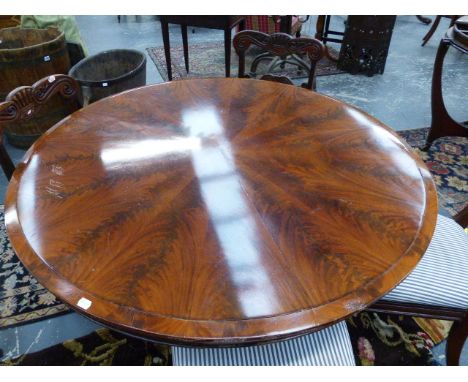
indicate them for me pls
(220, 211)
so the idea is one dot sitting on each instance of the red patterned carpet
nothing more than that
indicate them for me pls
(207, 60)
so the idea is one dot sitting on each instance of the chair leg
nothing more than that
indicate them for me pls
(429, 34)
(242, 25)
(183, 28)
(167, 48)
(455, 341)
(227, 50)
(6, 162)
(319, 27)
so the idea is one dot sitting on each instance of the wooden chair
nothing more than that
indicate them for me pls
(24, 102)
(438, 286)
(283, 46)
(442, 124)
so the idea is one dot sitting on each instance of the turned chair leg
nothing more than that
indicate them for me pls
(227, 51)
(455, 341)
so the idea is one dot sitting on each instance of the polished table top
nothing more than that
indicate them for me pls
(220, 211)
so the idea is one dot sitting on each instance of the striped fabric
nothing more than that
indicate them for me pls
(441, 277)
(270, 24)
(328, 347)
(265, 24)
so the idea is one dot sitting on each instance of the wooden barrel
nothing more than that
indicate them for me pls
(27, 55)
(8, 21)
(110, 72)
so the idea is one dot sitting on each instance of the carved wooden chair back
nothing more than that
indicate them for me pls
(25, 102)
(280, 45)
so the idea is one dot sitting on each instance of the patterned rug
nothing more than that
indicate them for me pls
(100, 348)
(22, 298)
(447, 160)
(377, 339)
(393, 340)
(207, 60)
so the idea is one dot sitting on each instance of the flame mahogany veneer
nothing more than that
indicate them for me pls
(220, 211)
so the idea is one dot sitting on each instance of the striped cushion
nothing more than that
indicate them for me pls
(441, 277)
(330, 346)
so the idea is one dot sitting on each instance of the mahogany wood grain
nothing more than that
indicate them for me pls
(220, 211)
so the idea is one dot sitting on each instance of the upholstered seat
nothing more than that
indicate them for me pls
(441, 277)
(438, 287)
(272, 24)
(328, 347)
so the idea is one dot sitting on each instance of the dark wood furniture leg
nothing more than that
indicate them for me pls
(431, 31)
(457, 335)
(319, 27)
(242, 25)
(227, 50)
(442, 124)
(455, 341)
(327, 27)
(321, 33)
(183, 28)
(225, 23)
(424, 20)
(6, 163)
(462, 217)
(167, 48)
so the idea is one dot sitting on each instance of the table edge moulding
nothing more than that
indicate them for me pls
(235, 329)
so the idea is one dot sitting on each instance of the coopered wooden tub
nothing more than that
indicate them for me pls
(27, 55)
(110, 72)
